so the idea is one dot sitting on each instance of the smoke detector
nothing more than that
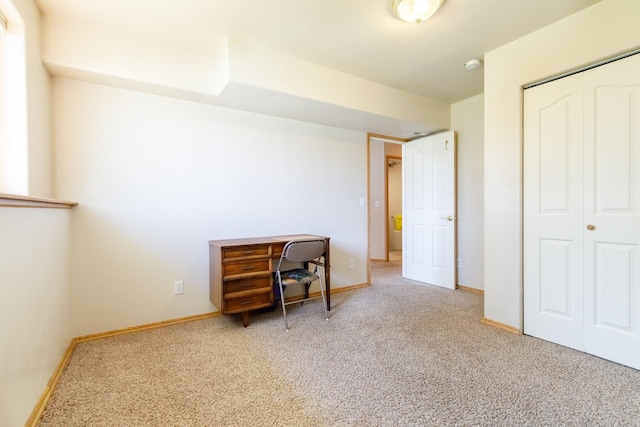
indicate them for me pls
(473, 64)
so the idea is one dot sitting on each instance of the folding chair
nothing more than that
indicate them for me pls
(307, 252)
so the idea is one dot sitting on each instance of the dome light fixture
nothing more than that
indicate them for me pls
(415, 11)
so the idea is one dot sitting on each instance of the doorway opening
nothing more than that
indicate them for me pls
(383, 151)
(426, 175)
(394, 208)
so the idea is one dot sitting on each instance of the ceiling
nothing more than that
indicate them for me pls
(361, 38)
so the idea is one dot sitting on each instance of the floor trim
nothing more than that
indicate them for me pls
(468, 289)
(40, 406)
(146, 327)
(502, 326)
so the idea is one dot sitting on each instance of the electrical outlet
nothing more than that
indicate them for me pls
(178, 287)
(459, 263)
(350, 262)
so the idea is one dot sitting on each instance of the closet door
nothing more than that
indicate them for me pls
(612, 211)
(582, 211)
(553, 204)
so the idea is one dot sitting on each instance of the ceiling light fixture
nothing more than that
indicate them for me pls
(473, 64)
(415, 11)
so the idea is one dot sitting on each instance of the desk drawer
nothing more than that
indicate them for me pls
(277, 249)
(246, 251)
(247, 302)
(248, 284)
(251, 266)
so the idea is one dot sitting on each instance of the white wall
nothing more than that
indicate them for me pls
(598, 32)
(35, 309)
(467, 119)
(377, 199)
(157, 178)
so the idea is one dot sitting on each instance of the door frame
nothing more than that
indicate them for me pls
(386, 138)
(370, 138)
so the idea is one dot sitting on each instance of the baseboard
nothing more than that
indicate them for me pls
(40, 406)
(316, 294)
(51, 385)
(468, 289)
(146, 326)
(349, 288)
(502, 326)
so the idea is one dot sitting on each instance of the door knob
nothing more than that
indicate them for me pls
(591, 227)
(448, 218)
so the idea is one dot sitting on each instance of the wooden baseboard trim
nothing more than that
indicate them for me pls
(51, 385)
(502, 326)
(349, 288)
(333, 291)
(146, 326)
(40, 406)
(468, 289)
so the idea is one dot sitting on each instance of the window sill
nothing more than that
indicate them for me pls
(16, 201)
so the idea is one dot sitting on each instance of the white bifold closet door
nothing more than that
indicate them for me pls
(582, 211)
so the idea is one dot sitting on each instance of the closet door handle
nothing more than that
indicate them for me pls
(591, 227)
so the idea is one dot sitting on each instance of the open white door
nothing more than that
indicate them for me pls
(428, 210)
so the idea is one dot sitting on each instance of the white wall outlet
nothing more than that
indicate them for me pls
(178, 287)
(350, 262)
(459, 263)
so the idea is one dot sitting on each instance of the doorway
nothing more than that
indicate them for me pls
(427, 200)
(394, 208)
(381, 151)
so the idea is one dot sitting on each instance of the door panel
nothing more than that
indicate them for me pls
(555, 275)
(429, 210)
(612, 190)
(553, 258)
(613, 286)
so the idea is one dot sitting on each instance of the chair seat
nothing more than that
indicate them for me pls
(297, 276)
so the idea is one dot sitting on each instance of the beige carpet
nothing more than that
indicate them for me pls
(397, 353)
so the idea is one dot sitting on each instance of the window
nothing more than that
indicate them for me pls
(14, 169)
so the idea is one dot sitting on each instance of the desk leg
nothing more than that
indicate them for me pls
(245, 318)
(327, 276)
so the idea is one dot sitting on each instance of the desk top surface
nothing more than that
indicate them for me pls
(266, 239)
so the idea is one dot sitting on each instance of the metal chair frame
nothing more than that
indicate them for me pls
(306, 252)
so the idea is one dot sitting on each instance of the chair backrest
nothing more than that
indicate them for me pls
(303, 250)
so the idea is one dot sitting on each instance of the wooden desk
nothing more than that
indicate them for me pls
(241, 272)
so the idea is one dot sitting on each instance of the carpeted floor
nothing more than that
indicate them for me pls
(398, 353)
